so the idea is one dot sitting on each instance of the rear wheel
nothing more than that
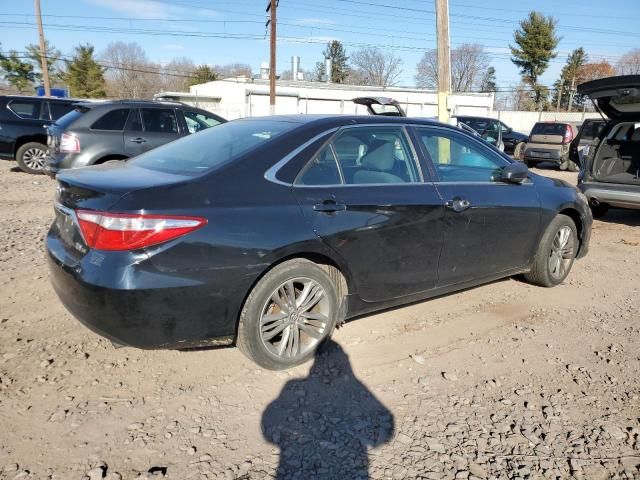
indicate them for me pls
(290, 312)
(599, 210)
(556, 253)
(30, 157)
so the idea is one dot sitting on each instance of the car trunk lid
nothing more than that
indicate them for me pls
(381, 106)
(617, 97)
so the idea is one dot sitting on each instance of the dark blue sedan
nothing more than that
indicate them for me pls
(270, 232)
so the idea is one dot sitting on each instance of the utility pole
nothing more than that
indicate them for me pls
(560, 92)
(273, 4)
(444, 58)
(571, 93)
(43, 51)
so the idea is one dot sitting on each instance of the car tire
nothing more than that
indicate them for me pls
(556, 253)
(272, 333)
(529, 163)
(600, 210)
(30, 157)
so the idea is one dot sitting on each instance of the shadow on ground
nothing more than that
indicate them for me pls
(622, 216)
(324, 423)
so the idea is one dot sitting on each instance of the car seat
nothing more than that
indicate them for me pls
(377, 164)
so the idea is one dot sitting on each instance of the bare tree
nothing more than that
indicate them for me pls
(234, 70)
(629, 63)
(469, 65)
(129, 73)
(371, 66)
(176, 74)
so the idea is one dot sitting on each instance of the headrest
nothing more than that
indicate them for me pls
(380, 156)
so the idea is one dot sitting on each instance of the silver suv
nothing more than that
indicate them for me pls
(95, 133)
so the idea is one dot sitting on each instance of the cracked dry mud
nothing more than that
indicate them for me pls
(502, 381)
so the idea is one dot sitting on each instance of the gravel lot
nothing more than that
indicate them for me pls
(501, 381)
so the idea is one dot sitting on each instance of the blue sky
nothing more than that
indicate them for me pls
(225, 31)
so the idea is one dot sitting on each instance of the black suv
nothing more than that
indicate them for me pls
(95, 133)
(22, 122)
(490, 127)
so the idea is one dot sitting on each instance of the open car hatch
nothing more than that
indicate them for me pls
(617, 97)
(381, 106)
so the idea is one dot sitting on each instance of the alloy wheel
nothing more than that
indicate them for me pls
(295, 318)
(34, 158)
(562, 253)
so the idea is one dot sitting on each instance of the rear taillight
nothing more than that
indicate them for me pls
(69, 143)
(116, 231)
(568, 134)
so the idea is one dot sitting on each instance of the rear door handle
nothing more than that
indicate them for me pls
(138, 140)
(329, 206)
(458, 204)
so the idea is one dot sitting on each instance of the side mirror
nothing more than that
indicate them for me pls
(515, 172)
(507, 130)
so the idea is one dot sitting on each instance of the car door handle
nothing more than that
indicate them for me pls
(138, 140)
(329, 206)
(458, 204)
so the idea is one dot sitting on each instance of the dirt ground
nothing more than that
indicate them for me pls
(502, 381)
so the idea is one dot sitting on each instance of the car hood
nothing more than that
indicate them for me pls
(617, 97)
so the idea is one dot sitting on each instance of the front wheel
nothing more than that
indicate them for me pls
(556, 253)
(289, 313)
(30, 157)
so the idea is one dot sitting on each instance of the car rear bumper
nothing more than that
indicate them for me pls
(615, 195)
(122, 301)
(541, 154)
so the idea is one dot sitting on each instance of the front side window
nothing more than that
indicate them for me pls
(197, 121)
(364, 155)
(113, 120)
(27, 109)
(159, 120)
(458, 159)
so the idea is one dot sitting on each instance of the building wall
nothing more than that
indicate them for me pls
(524, 121)
(243, 99)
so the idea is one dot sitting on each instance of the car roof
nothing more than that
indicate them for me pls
(36, 97)
(343, 120)
(132, 103)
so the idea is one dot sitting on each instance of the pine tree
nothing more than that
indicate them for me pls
(338, 55)
(536, 42)
(52, 55)
(488, 83)
(18, 73)
(570, 75)
(203, 74)
(84, 76)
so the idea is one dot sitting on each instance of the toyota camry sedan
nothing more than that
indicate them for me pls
(268, 233)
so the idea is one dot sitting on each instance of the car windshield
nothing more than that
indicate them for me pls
(207, 150)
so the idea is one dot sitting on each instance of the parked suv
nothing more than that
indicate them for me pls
(549, 142)
(22, 134)
(610, 173)
(95, 133)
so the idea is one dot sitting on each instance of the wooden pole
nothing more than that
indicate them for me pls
(444, 58)
(272, 63)
(43, 51)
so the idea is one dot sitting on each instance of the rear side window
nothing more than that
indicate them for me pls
(113, 120)
(159, 120)
(59, 109)
(27, 109)
(207, 150)
(549, 129)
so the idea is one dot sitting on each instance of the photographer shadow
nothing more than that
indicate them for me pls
(323, 424)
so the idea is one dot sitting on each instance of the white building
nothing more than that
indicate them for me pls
(243, 97)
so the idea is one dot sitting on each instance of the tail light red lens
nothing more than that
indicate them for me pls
(116, 231)
(69, 143)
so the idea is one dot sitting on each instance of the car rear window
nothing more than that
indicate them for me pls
(27, 109)
(59, 109)
(66, 120)
(207, 150)
(113, 120)
(549, 129)
(591, 130)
